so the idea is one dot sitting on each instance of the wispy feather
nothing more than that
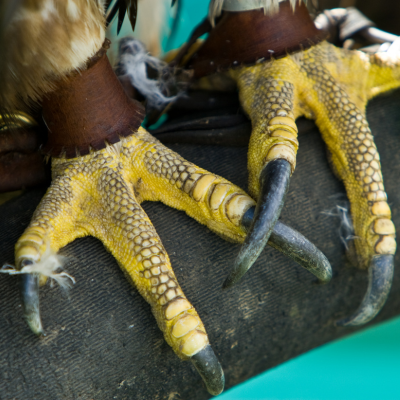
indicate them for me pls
(50, 265)
(342, 212)
(134, 62)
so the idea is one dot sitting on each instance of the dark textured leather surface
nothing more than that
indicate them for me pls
(260, 37)
(102, 341)
(88, 110)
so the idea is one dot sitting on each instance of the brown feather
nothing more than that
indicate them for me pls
(44, 41)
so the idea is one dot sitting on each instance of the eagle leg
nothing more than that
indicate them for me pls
(321, 82)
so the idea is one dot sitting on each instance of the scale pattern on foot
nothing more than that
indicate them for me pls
(331, 86)
(100, 194)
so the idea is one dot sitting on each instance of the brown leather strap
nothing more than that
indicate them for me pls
(89, 109)
(250, 36)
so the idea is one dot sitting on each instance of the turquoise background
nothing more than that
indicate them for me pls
(192, 12)
(363, 366)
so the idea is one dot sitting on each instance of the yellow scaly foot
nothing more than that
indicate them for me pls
(331, 86)
(100, 195)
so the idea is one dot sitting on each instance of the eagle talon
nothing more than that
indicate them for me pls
(274, 184)
(209, 368)
(321, 82)
(100, 194)
(317, 83)
(380, 277)
(30, 300)
(294, 245)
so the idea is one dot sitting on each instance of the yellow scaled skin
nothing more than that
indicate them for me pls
(100, 195)
(331, 86)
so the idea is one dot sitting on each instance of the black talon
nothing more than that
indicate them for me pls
(380, 276)
(297, 247)
(294, 245)
(30, 299)
(274, 182)
(209, 368)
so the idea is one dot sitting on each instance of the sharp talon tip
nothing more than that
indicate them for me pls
(294, 245)
(380, 276)
(209, 368)
(240, 267)
(297, 247)
(320, 282)
(325, 276)
(274, 184)
(228, 283)
(40, 332)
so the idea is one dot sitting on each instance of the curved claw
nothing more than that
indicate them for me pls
(30, 299)
(294, 245)
(380, 276)
(208, 366)
(274, 183)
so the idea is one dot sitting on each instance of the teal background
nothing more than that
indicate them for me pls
(192, 12)
(363, 366)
